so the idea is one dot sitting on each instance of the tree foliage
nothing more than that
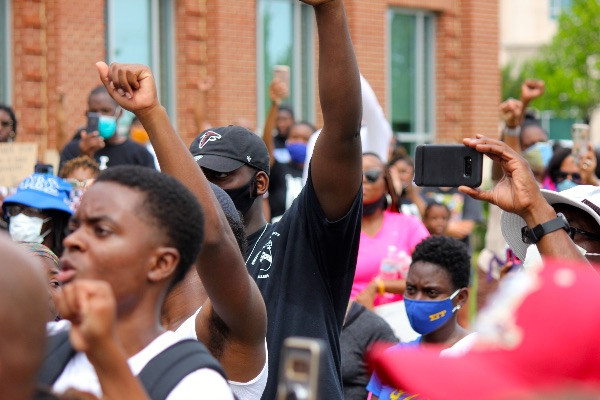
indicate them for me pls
(569, 64)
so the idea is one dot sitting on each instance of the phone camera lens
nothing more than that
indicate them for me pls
(468, 166)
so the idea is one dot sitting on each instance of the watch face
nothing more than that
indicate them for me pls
(526, 235)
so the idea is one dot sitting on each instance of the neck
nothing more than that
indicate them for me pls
(139, 325)
(183, 301)
(254, 219)
(115, 139)
(447, 335)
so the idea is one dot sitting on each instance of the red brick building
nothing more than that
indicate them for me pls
(432, 63)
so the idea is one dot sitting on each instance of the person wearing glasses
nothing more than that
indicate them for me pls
(565, 172)
(385, 232)
(39, 211)
(8, 124)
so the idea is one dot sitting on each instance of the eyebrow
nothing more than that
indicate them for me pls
(92, 219)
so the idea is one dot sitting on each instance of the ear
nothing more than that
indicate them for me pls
(462, 297)
(262, 183)
(120, 113)
(163, 264)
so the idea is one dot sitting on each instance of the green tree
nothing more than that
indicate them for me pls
(569, 64)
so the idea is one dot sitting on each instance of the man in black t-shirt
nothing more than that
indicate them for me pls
(105, 145)
(304, 264)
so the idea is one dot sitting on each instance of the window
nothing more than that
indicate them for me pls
(285, 30)
(411, 76)
(558, 6)
(5, 52)
(141, 31)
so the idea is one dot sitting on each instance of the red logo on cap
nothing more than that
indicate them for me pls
(209, 136)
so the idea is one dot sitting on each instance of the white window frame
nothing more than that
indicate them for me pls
(420, 135)
(298, 65)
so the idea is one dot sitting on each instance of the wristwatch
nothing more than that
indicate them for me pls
(533, 235)
(516, 131)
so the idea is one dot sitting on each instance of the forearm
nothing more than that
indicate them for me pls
(176, 160)
(460, 229)
(395, 286)
(336, 163)
(268, 131)
(116, 379)
(339, 78)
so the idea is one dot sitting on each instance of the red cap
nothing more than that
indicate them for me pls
(542, 332)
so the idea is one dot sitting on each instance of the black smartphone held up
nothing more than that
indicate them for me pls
(302, 363)
(449, 165)
(43, 169)
(92, 122)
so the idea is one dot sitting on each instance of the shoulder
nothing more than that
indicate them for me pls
(205, 383)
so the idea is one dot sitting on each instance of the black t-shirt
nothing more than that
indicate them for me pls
(285, 184)
(304, 267)
(126, 153)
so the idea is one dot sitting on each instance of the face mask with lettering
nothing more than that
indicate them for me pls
(27, 229)
(425, 316)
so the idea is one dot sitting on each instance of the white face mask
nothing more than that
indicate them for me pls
(533, 256)
(27, 229)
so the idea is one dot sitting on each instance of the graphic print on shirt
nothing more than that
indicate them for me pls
(264, 257)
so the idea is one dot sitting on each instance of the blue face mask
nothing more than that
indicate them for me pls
(539, 154)
(564, 185)
(425, 316)
(107, 126)
(297, 152)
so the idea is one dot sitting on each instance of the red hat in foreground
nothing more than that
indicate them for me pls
(541, 334)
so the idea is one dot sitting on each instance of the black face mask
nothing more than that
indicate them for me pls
(244, 196)
(370, 209)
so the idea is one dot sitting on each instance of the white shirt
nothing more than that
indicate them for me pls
(203, 383)
(251, 390)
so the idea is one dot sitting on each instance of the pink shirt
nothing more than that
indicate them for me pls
(401, 230)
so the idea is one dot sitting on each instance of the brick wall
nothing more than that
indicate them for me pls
(56, 43)
(55, 46)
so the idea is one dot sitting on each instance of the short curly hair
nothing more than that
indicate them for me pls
(170, 206)
(447, 253)
(79, 162)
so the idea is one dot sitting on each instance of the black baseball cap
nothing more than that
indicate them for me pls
(227, 148)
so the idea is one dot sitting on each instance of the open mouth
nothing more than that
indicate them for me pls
(68, 272)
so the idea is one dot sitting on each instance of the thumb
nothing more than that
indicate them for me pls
(477, 194)
(103, 72)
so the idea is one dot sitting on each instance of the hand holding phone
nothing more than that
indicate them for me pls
(282, 74)
(448, 165)
(302, 363)
(92, 122)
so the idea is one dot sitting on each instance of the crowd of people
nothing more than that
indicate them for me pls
(176, 272)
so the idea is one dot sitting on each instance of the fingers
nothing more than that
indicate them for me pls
(477, 194)
(67, 304)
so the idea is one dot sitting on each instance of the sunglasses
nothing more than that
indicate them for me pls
(16, 209)
(372, 175)
(576, 231)
(6, 124)
(575, 176)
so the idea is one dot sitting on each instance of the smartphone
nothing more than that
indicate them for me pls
(580, 133)
(282, 73)
(302, 363)
(92, 122)
(448, 165)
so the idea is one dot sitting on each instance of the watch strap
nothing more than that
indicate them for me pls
(533, 235)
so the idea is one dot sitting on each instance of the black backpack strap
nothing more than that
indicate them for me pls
(58, 353)
(173, 364)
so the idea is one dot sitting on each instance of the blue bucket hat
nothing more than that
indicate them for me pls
(42, 191)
